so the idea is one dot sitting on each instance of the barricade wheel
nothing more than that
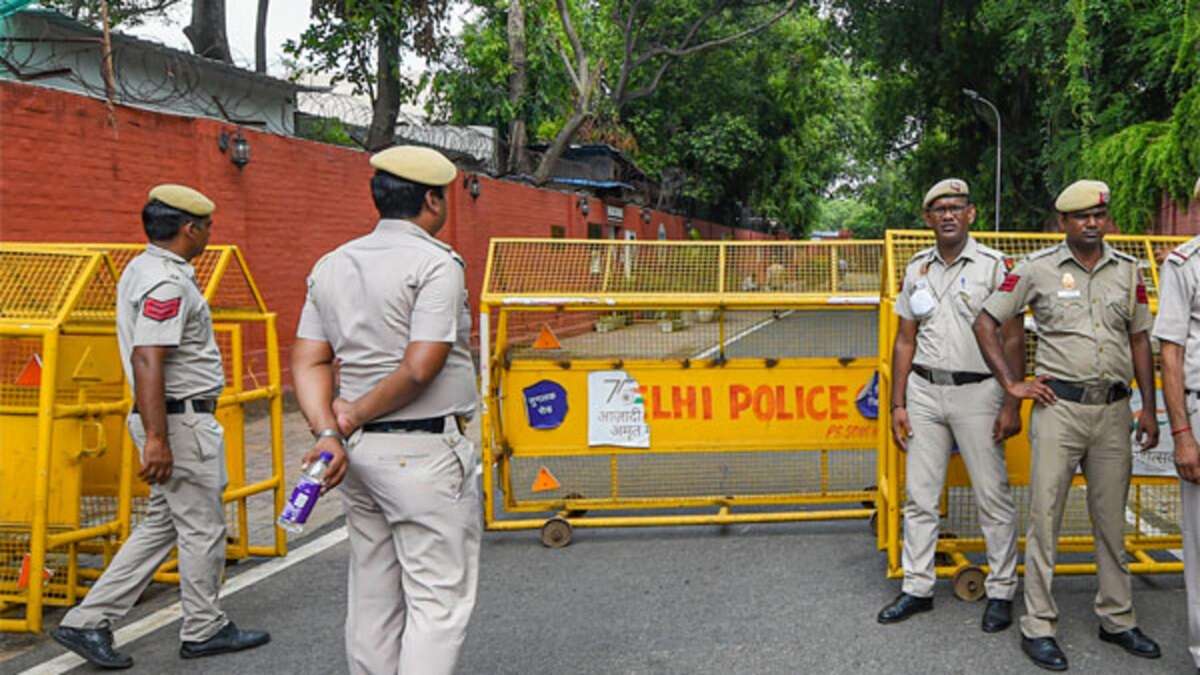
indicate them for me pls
(556, 533)
(968, 584)
(869, 504)
(576, 513)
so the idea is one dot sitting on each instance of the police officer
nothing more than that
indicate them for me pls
(173, 365)
(943, 395)
(1178, 331)
(391, 308)
(1093, 324)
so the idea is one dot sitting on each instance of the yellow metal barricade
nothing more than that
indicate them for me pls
(1152, 515)
(68, 495)
(670, 383)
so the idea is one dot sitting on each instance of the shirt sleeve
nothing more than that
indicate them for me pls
(1142, 319)
(439, 301)
(1012, 295)
(1175, 290)
(161, 315)
(310, 326)
(902, 308)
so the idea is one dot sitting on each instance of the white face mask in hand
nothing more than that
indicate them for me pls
(921, 300)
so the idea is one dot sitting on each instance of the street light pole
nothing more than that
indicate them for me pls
(974, 96)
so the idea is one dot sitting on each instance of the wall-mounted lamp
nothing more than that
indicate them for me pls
(646, 215)
(238, 147)
(471, 183)
(584, 206)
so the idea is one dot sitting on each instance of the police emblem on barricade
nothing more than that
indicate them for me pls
(545, 405)
(867, 399)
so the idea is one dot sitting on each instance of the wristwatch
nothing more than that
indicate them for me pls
(330, 433)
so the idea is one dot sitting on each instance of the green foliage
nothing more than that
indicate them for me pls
(1080, 86)
(863, 220)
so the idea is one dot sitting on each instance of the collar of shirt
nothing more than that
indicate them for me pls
(160, 252)
(969, 251)
(171, 256)
(1065, 254)
(395, 226)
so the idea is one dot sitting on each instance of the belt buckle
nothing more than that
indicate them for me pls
(1095, 395)
(942, 377)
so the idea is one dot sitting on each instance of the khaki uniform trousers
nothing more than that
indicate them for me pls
(1066, 435)
(187, 512)
(414, 518)
(1190, 527)
(942, 415)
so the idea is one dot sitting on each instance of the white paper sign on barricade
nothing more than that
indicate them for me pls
(616, 411)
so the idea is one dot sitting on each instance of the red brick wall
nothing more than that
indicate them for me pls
(1176, 218)
(66, 174)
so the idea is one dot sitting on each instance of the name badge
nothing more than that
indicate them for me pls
(1069, 294)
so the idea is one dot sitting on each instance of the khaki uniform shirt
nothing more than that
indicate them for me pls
(159, 304)
(945, 339)
(374, 295)
(1179, 307)
(1084, 319)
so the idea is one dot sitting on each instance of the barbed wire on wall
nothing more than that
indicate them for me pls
(479, 144)
(146, 74)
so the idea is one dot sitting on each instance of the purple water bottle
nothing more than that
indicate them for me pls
(304, 495)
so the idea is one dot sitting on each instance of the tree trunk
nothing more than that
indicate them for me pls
(556, 149)
(260, 37)
(518, 82)
(207, 30)
(386, 106)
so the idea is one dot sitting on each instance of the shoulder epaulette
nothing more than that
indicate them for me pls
(1042, 253)
(922, 254)
(990, 252)
(1124, 256)
(1182, 253)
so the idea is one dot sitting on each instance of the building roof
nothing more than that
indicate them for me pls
(72, 26)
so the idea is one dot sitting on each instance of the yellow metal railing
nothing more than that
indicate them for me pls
(66, 461)
(722, 376)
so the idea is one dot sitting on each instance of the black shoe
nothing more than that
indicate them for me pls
(93, 644)
(228, 639)
(1133, 641)
(1044, 652)
(997, 615)
(904, 606)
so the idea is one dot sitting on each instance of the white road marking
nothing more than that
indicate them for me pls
(752, 329)
(167, 615)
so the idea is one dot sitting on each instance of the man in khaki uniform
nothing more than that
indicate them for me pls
(1178, 331)
(173, 366)
(951, 398)
(391, 308)
(1093, 319)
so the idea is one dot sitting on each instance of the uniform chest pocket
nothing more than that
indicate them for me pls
(1067, 314)
(1116, 312)
(968, 300)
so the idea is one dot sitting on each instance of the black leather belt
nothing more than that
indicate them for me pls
(200, 405)
(949, 377)
(1090, 394)
(431, 425)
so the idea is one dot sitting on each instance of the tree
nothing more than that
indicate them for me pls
(1074, 81)
(518, 84)
(652, 36)
(360, 42)
(207, 31)
(260, 37)
(121, 12)
(768, 125)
